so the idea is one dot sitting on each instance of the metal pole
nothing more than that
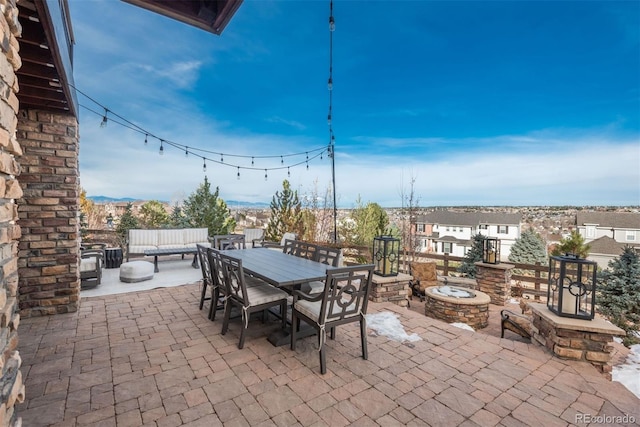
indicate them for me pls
(333, 180)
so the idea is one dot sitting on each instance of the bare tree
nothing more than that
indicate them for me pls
(408, 213)
(318, 215)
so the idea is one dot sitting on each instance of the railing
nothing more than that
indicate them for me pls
(531, 279)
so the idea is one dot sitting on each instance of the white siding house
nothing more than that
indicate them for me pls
(452, 232)
(608, 233)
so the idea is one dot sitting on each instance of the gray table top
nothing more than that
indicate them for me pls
(278, 268)
(170, 251)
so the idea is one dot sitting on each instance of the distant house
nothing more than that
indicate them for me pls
(451, 232)
(608, 233)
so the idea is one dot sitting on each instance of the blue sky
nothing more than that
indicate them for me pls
(480, 103)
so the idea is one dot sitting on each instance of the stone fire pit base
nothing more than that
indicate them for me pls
(473, 311)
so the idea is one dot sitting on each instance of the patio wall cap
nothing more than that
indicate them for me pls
(597, 325)
(401, 277)
(499, 266)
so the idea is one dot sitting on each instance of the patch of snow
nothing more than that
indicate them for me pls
(513, 301)
(629, 372)
(463, 326)
(448, 291)
(388, 324)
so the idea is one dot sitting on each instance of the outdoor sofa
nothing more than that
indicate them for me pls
(166, 241)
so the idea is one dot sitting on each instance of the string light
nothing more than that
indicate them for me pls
(238, 172)
(204, 165)
(108, 115)
(288, 173)
(265, 175)
(104, 119)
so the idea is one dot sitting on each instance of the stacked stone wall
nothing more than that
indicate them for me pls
(393, 289)
(576, 345)
(11, 386)
(495, 281)
(49, 251)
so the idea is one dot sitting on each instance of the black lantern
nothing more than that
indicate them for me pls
(386, 255)
(572, 286)
(491, 250)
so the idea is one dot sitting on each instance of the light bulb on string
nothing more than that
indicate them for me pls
(332, 24)
(281, 160)
(221, 158)
(329, 119)
(266, 177)
(238, 172)
(161, 147)
(252, 161)
(146, 136)
(330, 84)
(307, 157)
(307, 165)
(104, 119)
(288, 172)
(186, 151)
(204, 165)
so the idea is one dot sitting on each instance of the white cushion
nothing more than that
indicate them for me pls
(191, 236)
(311, 309)
(258, 295)
(139, 249)
(143, 238)
(171, 238)
(87, 264)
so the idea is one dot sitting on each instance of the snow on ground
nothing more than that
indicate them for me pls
(463, 326)
(388, 324)
(629, 372)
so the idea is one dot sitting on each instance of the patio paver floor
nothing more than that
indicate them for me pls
(151, 358)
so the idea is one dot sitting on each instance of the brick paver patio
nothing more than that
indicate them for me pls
(153, 359)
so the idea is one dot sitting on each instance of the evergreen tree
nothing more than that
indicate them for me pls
(205, 209)
(367, 222)
(154, 215)
(473, 255)
(529, 248)
(127, 221)
(286, 214)
(572, 244)
(618, 295)
(177, 218)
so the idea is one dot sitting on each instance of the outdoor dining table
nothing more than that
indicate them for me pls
(281, 270)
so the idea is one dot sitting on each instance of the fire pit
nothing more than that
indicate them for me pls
(457, 305)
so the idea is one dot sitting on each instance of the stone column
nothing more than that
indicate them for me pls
(49, 250)
(394, 289)
(495, 281)
(11, 386)
(576, 339)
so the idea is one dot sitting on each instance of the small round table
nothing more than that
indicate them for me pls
(112, 257)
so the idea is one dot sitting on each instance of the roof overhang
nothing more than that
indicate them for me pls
(46, 51)
(209, 15)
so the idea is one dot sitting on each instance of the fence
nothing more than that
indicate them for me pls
(526, 279)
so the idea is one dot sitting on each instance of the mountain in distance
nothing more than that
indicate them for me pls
(107, 199)
(230, 203)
